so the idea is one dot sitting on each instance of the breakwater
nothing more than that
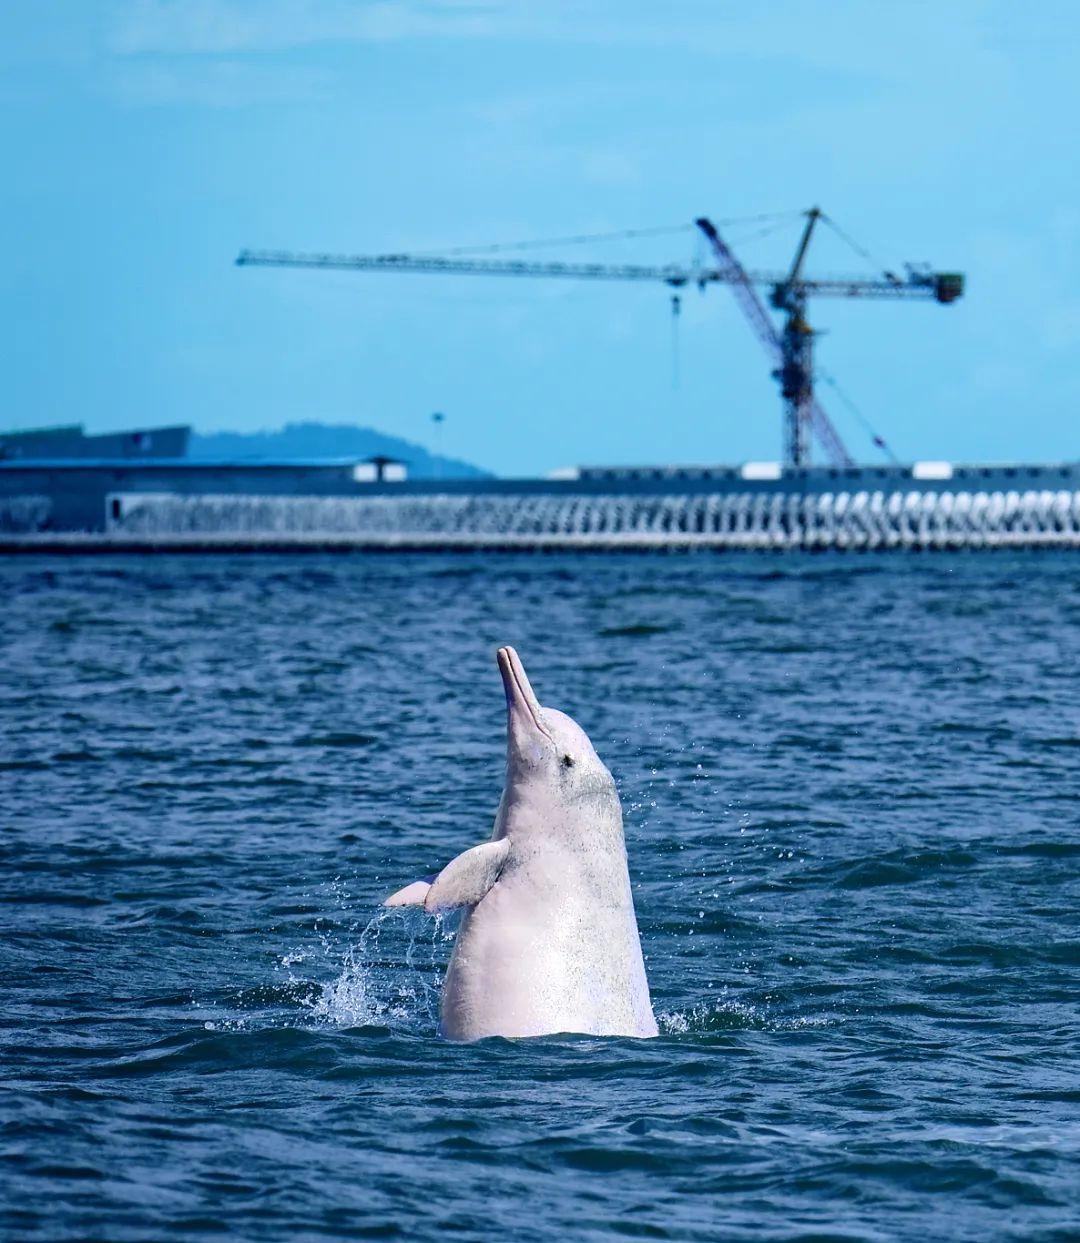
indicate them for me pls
(739, 520)
(756, 507)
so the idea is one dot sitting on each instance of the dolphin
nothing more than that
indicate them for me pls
(549, 940)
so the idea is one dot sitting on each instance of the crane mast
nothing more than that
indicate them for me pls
(790, 347)
(791, 352)
(797, 348)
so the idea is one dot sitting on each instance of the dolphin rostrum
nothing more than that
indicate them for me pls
(549, 942)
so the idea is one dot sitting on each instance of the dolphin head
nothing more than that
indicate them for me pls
(548, 755)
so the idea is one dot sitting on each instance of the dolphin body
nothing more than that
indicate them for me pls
(549, 942)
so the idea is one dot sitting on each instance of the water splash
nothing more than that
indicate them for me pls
(358, 984)
(349, 999)
(399, 990)
(720, 1015)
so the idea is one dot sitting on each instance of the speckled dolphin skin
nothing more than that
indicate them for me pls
(549, 942)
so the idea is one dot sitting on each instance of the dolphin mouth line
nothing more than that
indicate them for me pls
(510, 664)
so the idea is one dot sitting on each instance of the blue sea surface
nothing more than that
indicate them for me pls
(851, 788)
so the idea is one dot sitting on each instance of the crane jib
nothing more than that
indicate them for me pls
(669, 274)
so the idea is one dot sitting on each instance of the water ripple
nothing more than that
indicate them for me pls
(850, 792)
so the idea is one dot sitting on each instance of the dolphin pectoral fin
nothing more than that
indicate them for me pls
(465, 880)
(411, 895)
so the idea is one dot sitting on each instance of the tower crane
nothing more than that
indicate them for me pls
(790, 346)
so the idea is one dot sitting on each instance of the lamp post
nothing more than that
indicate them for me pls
(438, 419)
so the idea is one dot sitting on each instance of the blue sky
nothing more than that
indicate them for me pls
(146, 141)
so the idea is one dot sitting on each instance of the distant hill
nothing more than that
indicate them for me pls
(327, 440)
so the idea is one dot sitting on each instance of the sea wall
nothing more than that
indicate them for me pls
(776, 520)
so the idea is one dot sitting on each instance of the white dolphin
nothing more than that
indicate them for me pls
(549, 942)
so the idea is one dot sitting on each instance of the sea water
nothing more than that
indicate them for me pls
(851, 795)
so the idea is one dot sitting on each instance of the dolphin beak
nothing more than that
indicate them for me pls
(526, 732)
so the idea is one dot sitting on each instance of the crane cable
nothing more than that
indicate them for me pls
(861, 251)
(576, 239)
(830, 380)
(777, 218)
(758, 234)
(867, 426)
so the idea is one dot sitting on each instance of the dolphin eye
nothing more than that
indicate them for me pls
(568, 761)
